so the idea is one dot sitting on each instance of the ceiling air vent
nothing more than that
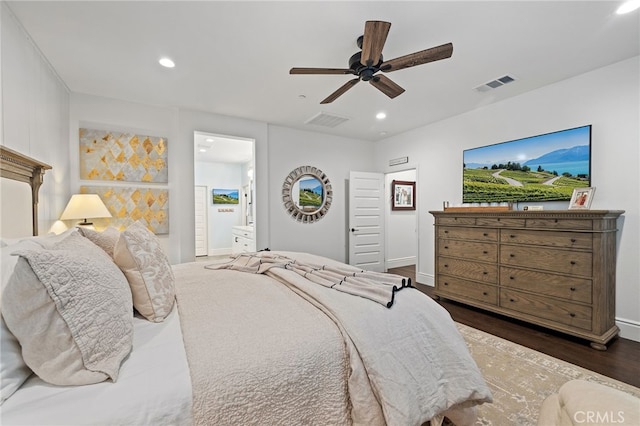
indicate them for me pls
(494, 84)
(326, 120)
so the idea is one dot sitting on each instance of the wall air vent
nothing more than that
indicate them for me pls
(326, 120)
(494, 84)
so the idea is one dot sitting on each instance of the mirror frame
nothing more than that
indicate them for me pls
(292, 209)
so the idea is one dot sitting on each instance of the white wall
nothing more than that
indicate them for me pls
(277, 151)
(607, 98)
(335, 156)
(220, 218)
(401, 238)
(35, 110)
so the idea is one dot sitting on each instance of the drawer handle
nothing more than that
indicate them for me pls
(555, 220)
(511, 278)
(512, 255)
(484, 273)
(573, 262)
(446, 283)
(446, 266)
(236, 238)
(484, 293)
(484, 252)
(572, 315)
(485, 235)
(511, 300)
(446, 247)
(512, 236)
(446, 232)
(573, 240)
(572, 289)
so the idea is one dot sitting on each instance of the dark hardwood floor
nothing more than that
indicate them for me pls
(621, 360)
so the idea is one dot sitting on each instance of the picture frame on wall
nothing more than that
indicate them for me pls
(582, 198)
(403, 195)
(225, 196)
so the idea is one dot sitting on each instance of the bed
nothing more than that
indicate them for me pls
(262, 338)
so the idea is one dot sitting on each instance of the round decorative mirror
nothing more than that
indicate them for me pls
(307, 194)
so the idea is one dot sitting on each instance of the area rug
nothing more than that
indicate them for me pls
(521, 378)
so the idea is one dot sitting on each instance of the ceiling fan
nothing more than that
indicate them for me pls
(366, 63)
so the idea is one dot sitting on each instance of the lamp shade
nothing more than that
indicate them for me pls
(85, 206)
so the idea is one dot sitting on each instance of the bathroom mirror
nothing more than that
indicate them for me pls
(307, 194)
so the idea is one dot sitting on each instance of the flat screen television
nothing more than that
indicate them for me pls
(545, 167)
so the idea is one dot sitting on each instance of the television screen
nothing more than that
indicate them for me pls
(538, 168)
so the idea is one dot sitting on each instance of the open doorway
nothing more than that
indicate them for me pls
(224, 169)
(401, 237)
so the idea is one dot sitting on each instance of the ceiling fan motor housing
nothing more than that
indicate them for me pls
(364, 72)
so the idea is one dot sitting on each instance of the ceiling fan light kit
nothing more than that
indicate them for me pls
(369, 61)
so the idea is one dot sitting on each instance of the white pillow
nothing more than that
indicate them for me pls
(13, 370)
(106, 239)
(70, 308)
(139, 254)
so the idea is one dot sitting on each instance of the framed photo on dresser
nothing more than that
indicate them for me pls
(582, 198)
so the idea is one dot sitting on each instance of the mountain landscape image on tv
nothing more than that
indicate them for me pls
(538, 168)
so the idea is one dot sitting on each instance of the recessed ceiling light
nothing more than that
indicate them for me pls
(203, 150)
(381, 116)
(209, 140)
(167, 63)
(628, 6)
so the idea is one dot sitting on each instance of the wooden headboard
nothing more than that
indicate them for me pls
(16, 166)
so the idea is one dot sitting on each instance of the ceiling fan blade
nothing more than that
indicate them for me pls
(375, 34)
(320, 71)
(335, 95)
(386, 86)
(418, 58)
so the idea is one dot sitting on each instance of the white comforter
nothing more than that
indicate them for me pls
(296, 352)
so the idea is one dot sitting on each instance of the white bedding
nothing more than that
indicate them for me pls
(261, 350)
(153, 388)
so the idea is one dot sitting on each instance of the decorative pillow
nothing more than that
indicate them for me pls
(106, 239)
(13, 370)
(71, 310)
(139, 254)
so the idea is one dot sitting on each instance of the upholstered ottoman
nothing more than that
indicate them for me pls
(579, 402)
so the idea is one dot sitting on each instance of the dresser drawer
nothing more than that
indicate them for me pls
(560, 224)
(468, 233)
(500, 222)
(567, 262)
(567, 313)
(463, 268)
(487, 252)
(570, 288)
(468, 289)
(574, 240)
(456, 221)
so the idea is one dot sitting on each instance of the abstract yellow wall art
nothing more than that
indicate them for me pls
(120, 156)
(128, 204)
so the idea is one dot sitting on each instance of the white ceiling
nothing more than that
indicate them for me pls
(233, 58)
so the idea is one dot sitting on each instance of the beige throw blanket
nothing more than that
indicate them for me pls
(402, 365)
(378, 287)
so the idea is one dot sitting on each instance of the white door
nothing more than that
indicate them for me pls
(366, 220)
(201, 220)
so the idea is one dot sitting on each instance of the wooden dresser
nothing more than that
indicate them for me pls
(556, 269)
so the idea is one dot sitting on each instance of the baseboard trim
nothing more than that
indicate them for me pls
(400, 262)
(629, 329)
(425, 279)
(220, 251)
